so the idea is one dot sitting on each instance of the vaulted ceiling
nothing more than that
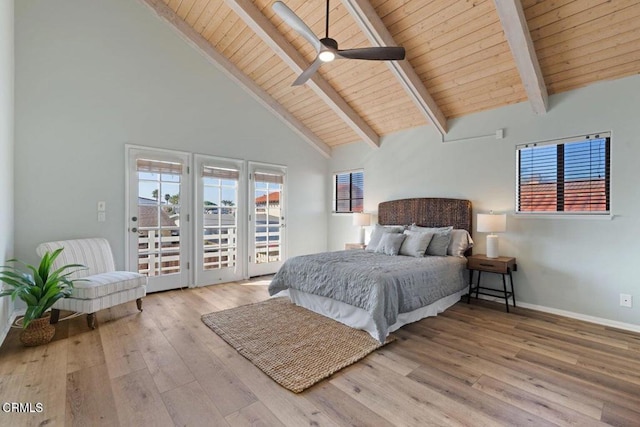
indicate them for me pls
(462, 56)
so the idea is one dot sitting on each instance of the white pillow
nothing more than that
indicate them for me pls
(390, 243)
(377, 233)
(460, 242)
(416, 243)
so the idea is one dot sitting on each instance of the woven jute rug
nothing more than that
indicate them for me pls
(294, 346)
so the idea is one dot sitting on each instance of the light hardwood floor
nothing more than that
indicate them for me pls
(473, 365)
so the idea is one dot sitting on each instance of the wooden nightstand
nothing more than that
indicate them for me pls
(501, 265)
(348, 246)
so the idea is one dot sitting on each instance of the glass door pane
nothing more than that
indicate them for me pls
(219, 205)
(268, 220)
(158, 219)
(158, 236)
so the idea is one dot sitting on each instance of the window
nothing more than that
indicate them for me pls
(565, 176)
(348, 192)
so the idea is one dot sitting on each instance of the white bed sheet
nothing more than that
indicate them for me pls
(360, 319)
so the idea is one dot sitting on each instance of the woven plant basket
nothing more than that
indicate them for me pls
(38, 332)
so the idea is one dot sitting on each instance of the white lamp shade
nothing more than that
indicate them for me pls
(362, 219)
(490, 223)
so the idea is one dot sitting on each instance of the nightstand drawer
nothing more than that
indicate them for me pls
(489, 265)
(349, 246)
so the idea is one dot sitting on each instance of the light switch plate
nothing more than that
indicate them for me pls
(102, 206)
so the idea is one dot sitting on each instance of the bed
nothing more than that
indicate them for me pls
(379, 293)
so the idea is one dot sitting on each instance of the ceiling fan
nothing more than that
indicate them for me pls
(327, 48)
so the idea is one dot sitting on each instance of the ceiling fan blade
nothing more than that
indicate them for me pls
(306, 74)
(383, 53)
(292, 20)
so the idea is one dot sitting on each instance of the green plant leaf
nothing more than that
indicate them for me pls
(35, 291)
(6, 293)
(32, 313)
(45, 265)
(27, 297)
(52, 301)
(9, 281)
(37, 279)
(17, 275)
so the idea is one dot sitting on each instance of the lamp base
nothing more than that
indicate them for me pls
(361, 236)
(492, 246)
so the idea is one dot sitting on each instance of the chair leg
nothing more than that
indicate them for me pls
(55, 316)
(91, 320)
(139, 303)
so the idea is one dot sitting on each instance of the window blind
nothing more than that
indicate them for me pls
(220, 173)
(570, 175)
(348, 192)
(268, 177)
(157, 166)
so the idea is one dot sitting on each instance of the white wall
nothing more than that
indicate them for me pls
(92, 76)
(6, 147)
(576, 265)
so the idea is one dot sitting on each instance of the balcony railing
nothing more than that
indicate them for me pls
(159, 251)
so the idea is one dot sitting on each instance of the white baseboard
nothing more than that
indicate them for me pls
(7, 328)
(598, 320)
(12, 318)
(570, 314)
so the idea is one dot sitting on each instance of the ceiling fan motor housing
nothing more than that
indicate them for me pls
(330, 43)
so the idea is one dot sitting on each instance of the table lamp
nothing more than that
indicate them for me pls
(362, 220)
(492, 223)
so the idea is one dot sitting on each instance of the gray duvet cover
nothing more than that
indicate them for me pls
(382, 285)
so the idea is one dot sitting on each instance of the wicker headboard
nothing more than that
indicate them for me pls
(427, 212)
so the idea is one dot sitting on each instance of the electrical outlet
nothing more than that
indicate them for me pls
(625, 300)
(500, 134)
(102, 216)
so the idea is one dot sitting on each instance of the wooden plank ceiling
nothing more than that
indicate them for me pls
(458, 48)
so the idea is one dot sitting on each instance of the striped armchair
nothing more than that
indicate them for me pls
(103, 286)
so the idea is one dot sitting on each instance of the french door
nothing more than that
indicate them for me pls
(196, 220)
(266, 218)
(158, 232)
(220, 218)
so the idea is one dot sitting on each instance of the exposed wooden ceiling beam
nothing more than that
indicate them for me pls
(514, 23)
(375, 30)
(231, 71)
(261, 25)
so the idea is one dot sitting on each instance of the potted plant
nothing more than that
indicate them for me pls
(39, 288)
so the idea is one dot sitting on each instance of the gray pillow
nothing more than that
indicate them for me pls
(377, 233)
(414, 227)
(390, 243)
(440, 241)
(416, 243)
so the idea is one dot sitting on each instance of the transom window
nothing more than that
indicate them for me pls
(348, 191)
(565, 176)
